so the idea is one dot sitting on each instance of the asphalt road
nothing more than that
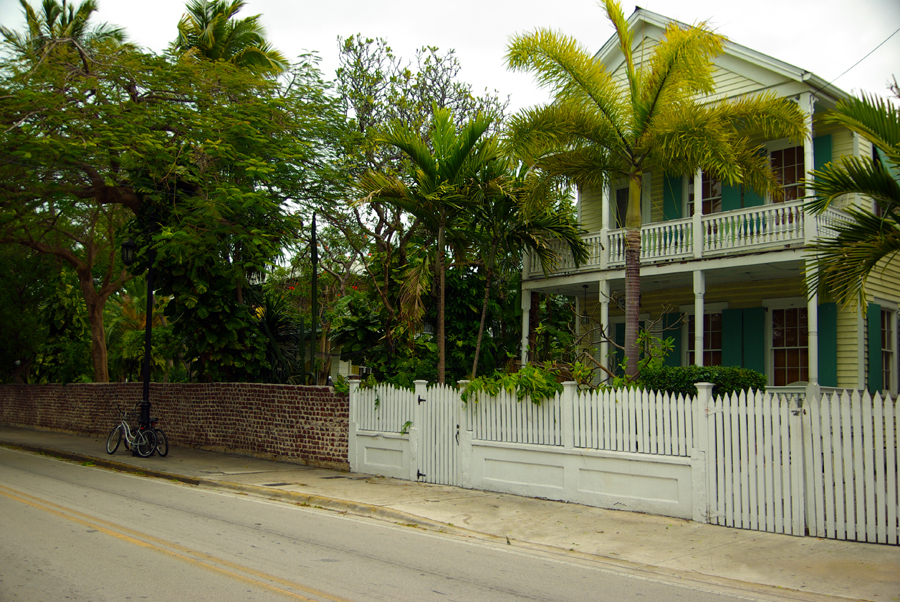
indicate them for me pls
(79, 532)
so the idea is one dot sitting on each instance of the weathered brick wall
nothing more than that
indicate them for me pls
(285, 422)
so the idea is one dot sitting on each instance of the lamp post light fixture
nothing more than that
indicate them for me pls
(129, 249)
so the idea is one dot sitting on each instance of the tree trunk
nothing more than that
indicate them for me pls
(632, 299)
(442, 358)
(533, 321)
(99, 357)
(484, 306)
(633, 273)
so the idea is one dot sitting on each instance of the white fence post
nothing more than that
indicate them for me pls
(352, 452)
(568, 414)
(418, 394)
(797, 466)
(464, 457)
(700, 453)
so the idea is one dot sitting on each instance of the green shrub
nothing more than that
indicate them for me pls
(681, 379)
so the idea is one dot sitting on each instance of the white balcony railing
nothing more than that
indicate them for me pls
(767, 227)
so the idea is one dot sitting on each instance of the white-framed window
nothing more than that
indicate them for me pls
(889, 341)
(710, 194)
(888, 349)
(789, 167)
(712, 334)
(788, 335)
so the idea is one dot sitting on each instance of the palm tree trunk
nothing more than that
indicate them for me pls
(633, 273)
(442, 358)
(632, 299)
(484, 306)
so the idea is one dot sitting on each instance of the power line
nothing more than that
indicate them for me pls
(859, 61)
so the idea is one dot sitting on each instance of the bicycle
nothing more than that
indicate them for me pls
(162, 441)
(141, 440)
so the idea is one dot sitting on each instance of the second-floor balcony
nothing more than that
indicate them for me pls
(770, 227)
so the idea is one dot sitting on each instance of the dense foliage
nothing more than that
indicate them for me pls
(680, 380)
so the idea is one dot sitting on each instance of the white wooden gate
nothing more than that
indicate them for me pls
(437, 424)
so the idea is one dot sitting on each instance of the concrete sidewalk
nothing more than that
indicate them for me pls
(803, 568)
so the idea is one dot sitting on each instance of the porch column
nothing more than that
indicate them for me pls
(604, 325)
(526, 315)
(697, 216)
(604, 227)
(811, 233)
(807, 105)
(699, 292)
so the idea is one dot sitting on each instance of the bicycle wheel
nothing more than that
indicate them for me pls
(162, 443)
(145, 443)
(112, 442)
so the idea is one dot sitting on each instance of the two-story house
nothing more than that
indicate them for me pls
(722, 268)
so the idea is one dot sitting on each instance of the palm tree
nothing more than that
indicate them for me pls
(442, 161)
(598, 128)
(59, 22)
(845, 261)
(210, 31)
(509, 216)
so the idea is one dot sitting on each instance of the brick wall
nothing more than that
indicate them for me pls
(285, 422)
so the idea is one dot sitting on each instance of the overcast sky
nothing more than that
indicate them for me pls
(823, 36)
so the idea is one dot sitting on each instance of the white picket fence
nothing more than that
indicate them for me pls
(824, 466)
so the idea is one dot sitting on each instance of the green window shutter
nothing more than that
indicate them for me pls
(751, 199)
(828, 344)
(731, 197)
(733, 337)
(670, 321)
(754, 338)
(873, 318)
(821, 151)
(672, 202)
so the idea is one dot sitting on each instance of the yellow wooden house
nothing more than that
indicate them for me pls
(731, 256)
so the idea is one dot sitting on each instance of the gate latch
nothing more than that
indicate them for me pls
(421, 400)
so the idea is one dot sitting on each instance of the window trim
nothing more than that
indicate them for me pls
(688, 310)
(892, 308)
(782, 303)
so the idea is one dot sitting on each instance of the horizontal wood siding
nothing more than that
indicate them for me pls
(848, 324)
(656, 196)
(728, 83)
(737, 295)
(591, 209)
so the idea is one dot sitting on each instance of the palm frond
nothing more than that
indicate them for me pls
(855, 175)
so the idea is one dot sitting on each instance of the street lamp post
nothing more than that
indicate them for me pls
(128, 258)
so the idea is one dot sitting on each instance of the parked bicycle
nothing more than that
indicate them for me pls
(142, 440)
(162, 441)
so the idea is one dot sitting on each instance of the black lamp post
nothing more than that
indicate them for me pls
(128, 257)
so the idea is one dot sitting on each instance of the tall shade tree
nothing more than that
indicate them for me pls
(210, 30)
(436, 193)
(847, 257)
(58, 23)
(599, 127)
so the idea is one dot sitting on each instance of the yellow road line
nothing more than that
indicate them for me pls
(160, 545)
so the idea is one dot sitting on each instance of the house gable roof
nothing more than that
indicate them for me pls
(740, 70)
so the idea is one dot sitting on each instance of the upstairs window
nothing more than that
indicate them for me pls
(789, 168)
(710, 194)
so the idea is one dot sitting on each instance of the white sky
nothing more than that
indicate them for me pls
(823, 36)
